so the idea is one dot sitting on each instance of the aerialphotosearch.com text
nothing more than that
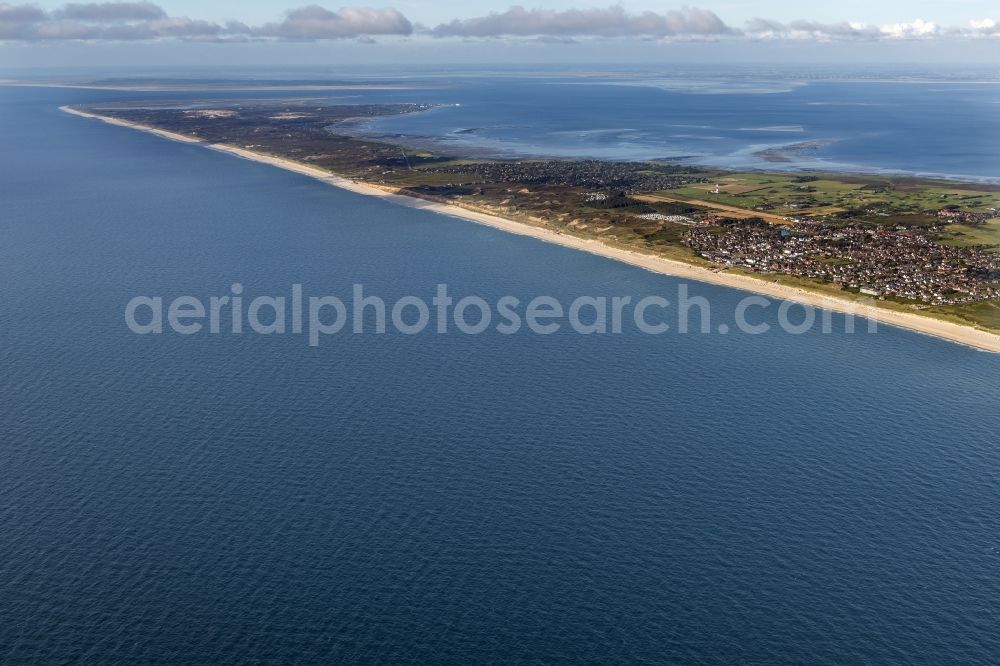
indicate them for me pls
(362, 312)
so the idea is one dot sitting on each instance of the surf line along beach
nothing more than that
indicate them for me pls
(966, 335)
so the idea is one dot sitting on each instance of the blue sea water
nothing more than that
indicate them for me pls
(876, 120)
(447, 498)
(945, 128)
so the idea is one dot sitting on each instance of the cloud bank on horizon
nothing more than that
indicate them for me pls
(144, 21)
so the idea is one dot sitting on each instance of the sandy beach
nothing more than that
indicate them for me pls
(966, 335)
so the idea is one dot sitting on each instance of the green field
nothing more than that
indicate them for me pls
(797, 195)
(962, 235)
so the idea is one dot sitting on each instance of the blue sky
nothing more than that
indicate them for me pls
(882, 11)
(188, 32)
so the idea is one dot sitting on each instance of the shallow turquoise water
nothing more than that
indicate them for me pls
(708, 498)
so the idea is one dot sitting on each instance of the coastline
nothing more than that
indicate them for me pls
(249, 87)
(952, 332)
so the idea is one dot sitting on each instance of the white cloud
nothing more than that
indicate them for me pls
(132, 21)
(113, 21)
(803, 29)
(986, 27)
(810, 30)
(110, 11)
(609, 22)
(830, 31)
(143, 20)
(918, 28)
(20, 13)
(315, 22)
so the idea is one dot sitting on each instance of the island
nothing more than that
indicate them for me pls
(917, 253)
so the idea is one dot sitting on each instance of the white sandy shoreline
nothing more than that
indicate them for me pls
(966, 335)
